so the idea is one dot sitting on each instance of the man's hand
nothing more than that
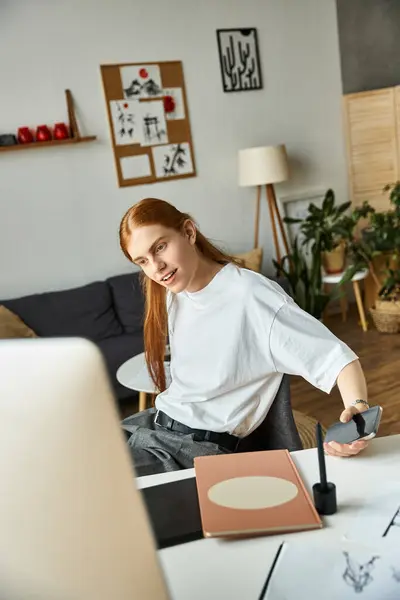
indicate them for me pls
(346, 450)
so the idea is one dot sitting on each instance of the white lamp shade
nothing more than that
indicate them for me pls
(258, 166)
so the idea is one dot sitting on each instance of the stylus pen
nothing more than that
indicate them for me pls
(270, 572)
(321, 458)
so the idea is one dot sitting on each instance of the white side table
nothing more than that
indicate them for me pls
(357, 277)
(133, 374)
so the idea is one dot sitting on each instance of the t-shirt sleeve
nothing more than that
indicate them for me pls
(301, 345)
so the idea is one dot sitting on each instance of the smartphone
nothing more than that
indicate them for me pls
(362, 426)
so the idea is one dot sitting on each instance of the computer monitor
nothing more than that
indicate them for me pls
(72, 522)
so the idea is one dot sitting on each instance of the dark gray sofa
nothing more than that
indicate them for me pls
(110, 313)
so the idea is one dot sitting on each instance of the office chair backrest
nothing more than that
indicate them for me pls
(278, 430)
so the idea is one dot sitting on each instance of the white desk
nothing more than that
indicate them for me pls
(225, 570)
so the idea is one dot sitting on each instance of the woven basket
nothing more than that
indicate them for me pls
(385, 321)
(388, 306)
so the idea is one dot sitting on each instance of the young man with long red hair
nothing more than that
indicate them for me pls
(233, 334)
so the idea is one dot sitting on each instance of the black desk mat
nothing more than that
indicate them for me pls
(174, 512)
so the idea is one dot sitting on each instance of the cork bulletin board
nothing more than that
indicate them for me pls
(149, 122)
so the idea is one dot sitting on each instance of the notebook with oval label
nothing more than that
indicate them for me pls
(252, 493)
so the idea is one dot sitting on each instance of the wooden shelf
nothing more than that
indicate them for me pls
(74, 129)
(80, 140)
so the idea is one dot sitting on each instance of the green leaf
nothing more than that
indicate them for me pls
(342, 208)
(290, 220)
(328, 202)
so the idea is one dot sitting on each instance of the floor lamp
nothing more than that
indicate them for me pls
(263, 167)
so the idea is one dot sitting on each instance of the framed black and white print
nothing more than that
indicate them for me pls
(239, 59)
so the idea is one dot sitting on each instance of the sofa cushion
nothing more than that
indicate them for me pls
(128, 301)
(85, 311)
(11, 326)
(116, 351)
(251, 260)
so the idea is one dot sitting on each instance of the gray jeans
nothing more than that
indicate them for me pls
(155, 449)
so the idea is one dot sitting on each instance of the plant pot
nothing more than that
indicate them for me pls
(333, 262)
(384, 261)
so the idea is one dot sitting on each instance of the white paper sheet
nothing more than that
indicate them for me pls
(142, 81)
(219, 569)
(179, 111)
(172, 160)
(153, 124)
(127, 121)
(336, 570)
(378, 516)
(134, 167)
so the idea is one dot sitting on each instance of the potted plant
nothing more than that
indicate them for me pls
(386, 314)
(360, 256)
(382, 236)
(325, 229)
(305, 281)
(383, 230)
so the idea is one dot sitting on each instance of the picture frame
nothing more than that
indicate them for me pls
(296, 206)
(239, 59)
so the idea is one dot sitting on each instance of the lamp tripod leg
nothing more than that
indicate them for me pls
(270, 200)
(280, 222)
(257, 221)
(279, 219)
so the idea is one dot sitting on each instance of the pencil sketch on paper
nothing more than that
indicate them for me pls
(141, 81)
(396, 574)
(126, 121)
(358, 575)
(173, 160)
(154, 127)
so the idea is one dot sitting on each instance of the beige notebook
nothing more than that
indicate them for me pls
(252, 493)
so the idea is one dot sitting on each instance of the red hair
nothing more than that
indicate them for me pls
(152, 211)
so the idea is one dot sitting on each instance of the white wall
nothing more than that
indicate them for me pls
(61, 207)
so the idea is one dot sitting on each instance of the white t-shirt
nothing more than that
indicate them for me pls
(231, 343)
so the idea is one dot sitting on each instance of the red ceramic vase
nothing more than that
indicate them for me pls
(60, 131)
(25, 135)
(43, 134)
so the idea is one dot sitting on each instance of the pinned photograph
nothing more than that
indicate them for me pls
(141, 81)
(126, 121)
(172, 160)
(154, 127)
(135, 167)
(173, 104)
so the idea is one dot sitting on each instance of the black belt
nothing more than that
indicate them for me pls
(226, 440)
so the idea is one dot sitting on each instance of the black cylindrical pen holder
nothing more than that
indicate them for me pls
(325, 499)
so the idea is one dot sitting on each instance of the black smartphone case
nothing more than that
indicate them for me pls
(360, 426)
